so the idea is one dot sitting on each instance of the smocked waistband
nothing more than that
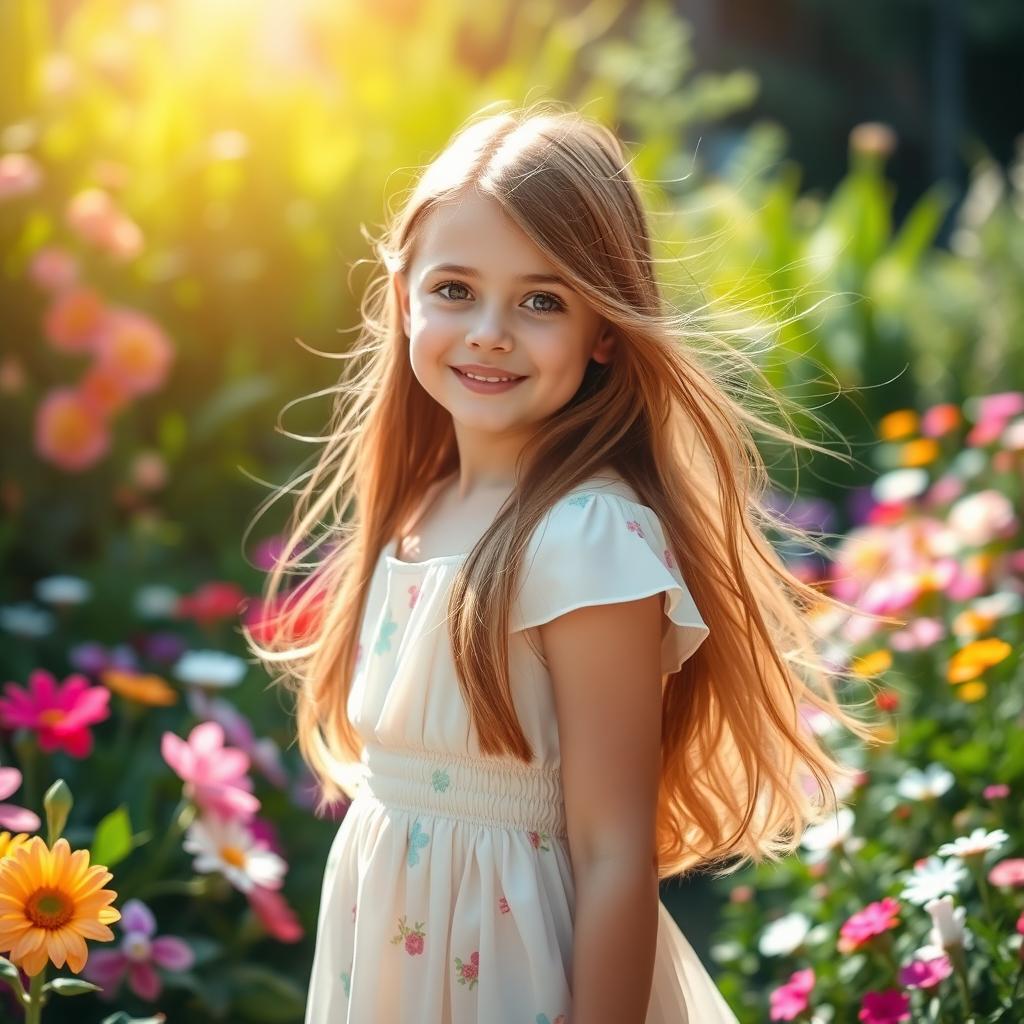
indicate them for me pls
(496, 792)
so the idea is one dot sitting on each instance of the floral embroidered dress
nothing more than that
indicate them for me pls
(448, 895)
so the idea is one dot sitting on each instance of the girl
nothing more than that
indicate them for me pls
(547, 650)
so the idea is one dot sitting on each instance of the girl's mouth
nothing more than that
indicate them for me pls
(484, 387)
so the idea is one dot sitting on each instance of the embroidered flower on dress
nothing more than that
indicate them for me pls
(417, 841)
(387, 627)
(669, 560)
(539, 840)
(634, 527)
(440, 780)
(503, 904)
(413, 937)
(467, 970)
(414, 593)
(346, 980)
(543, 1018)
(579, 499)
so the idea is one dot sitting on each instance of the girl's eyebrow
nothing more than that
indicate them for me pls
(455, 268)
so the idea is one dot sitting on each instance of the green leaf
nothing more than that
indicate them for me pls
(8, 970)
(262, 995)
(71, 986)
(113, 839)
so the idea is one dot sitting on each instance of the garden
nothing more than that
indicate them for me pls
(183, 200)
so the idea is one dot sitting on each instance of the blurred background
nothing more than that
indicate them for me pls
(184, 187)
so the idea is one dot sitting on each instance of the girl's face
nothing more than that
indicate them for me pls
(480, 292)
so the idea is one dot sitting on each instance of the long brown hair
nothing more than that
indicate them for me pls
(737, 757)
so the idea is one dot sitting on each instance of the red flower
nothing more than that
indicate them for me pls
(274, 913)
(874, 919)
(60, 715)
(212, 602)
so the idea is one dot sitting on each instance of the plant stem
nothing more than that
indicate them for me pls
(33, 1013)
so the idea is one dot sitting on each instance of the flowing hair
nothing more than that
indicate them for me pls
(742, 773)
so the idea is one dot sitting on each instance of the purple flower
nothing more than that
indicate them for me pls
(925, 973)
(163, 647)
(93, 658)
(138, 956)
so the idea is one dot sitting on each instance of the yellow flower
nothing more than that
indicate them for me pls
(970, 692)
(51, 901)
(9, 843)
(872, 664)
(919, 452)
(897, 425)
(970, 661)
(143, 689)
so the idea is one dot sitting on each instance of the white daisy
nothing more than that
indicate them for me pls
(927, 785)
(947, 929)
(784, 935)
(63, 590)
(215, 669)
(977, 844)
(155, 601)
(900, 485)
(831, 833)
(26, 620)
(229, 848)
(931, 879)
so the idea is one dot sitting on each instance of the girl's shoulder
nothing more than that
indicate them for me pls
(598, 544)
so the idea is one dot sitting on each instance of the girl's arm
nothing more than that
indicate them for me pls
(604, 666)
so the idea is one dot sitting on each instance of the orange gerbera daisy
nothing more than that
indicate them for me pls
(970, 661)
(9, 843)
(51, 901)
(143, 689)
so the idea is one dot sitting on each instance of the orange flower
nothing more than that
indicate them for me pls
(971, 692)
(872, 664)
(51, 901)
(898, 425)
(9, 843)
(920, 452)
(143, 689)
(970, 661)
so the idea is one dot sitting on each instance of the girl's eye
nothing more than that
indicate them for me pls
(556, 307)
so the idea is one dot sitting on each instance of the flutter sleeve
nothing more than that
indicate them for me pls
(594, 548)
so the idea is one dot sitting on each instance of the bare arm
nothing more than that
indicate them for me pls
(604, 665)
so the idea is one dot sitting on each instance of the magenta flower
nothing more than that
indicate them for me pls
(275, 914)
(790, 1000)
(997, 791)
(17, 819)
(214, 775)
(59, 715)
(863, 926)
(888, 1007)
(926, 973)
(1008, 873)
(139, 956)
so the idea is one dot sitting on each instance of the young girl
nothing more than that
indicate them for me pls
(547, 649)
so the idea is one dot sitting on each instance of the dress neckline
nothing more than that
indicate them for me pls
(402, 566)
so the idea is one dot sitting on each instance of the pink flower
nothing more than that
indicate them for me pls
(135, 348)
(17, 819)
(888, 1007)
(997, 791)
(274, 913)
(214, 775)
(874, 919)
(1020, 924)
(212, 602)
(139, 956)
(59, 715)
(74, 319)
(925, 973)
(53, 269)
(20, 175)
(788, 1001)
(69, 432)
(1008, 873)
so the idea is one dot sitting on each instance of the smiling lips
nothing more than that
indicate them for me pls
(486, 387)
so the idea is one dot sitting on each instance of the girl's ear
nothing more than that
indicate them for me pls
(604, 347)
(402, 291)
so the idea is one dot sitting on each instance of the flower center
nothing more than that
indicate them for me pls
(136, 947)
(51, 716)
(233, 855)
(49, 908)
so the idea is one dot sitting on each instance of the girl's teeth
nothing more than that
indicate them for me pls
(490, 380)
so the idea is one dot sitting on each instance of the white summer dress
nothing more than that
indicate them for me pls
(448, 894)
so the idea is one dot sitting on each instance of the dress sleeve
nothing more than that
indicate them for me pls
(594, 548)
